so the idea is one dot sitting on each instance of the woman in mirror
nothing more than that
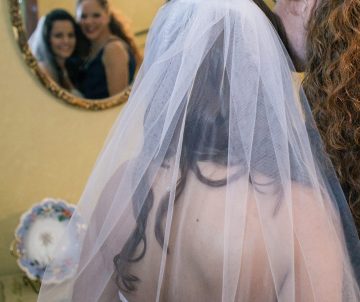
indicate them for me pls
(56, 44)
(113, 55)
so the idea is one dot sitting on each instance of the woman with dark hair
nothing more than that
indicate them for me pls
(332, 85)
(57, 44)
(113, 56)
(209, 187)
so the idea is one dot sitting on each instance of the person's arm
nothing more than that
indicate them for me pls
(96, 272)
(116, 60)
(318, 249)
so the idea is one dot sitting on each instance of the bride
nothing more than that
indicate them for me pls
(213, 185)
(58, 45)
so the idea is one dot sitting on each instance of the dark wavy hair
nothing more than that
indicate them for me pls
(205, 138)
(332, 85)
(119, 27)
(80, 46)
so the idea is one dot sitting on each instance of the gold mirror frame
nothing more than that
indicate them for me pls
(50, 85)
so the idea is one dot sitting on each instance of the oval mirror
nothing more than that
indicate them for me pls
(64, 44)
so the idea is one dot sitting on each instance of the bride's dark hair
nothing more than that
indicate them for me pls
(205, 138)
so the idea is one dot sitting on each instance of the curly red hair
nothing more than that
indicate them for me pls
(332, 85)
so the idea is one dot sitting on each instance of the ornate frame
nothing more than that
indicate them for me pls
(50, 85)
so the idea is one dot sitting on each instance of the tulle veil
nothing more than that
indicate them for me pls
(213, 184)
(38, 47)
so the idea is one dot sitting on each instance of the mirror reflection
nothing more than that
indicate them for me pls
(90, 52)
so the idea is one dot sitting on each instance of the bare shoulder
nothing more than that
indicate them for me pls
(115, 50)
(301, 191)
(311, 206)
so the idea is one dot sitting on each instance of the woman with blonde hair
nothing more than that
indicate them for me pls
(113, 55)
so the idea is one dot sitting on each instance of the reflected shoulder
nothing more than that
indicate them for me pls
(115, 50)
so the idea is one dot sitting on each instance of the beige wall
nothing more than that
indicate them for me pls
(47, 148)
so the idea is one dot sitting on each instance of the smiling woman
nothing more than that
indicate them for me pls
(57, 45)
(113, 56)
(62, 39)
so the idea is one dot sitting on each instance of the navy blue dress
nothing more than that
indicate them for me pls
(92, 80)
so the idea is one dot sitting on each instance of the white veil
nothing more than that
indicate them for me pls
(38, 47)
(212, 185)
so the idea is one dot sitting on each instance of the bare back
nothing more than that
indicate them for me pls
(194, 265)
